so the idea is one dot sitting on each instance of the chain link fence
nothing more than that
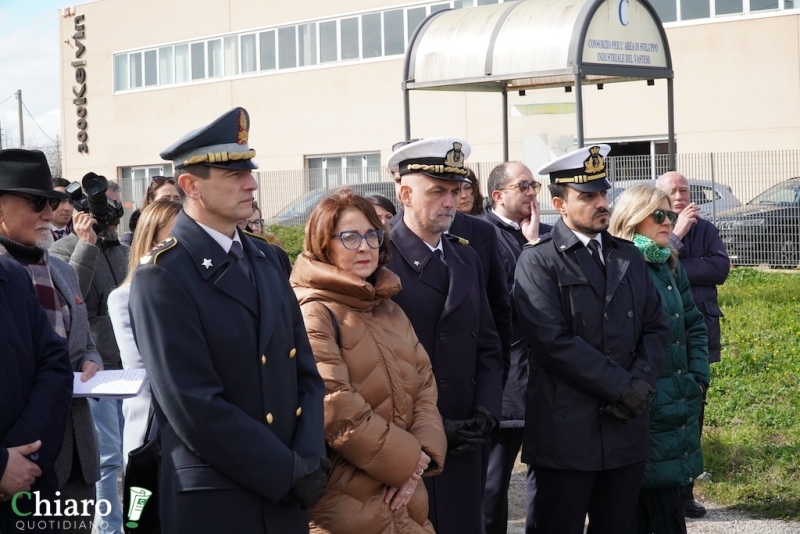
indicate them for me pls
(752, 197)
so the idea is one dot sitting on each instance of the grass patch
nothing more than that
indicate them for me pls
(291, 237)
(751, 441)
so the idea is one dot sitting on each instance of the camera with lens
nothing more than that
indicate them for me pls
(92, 199)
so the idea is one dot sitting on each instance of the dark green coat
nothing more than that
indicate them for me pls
(675, 453)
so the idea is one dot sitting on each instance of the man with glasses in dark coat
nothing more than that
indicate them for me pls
(514, 211)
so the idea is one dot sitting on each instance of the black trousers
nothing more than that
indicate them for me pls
(564, 497)
(505, 448)
(660, 511)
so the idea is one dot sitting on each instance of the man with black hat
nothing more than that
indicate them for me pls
(238, 396)
(445, 298)
(27, 201)
(594, 321)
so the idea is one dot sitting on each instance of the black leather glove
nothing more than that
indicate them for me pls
(484, 421)
(636, 397)
(309, 478)
(462, 435)
(616, 411)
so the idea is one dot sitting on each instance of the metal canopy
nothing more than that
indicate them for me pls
(533, 44)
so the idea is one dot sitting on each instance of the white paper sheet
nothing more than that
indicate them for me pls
(112, 384)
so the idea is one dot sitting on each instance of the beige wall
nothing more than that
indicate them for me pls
(737, 88)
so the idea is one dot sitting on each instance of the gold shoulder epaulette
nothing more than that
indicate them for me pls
(152, 256)
(457, 239)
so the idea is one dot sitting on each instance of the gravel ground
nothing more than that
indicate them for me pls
(719, 520)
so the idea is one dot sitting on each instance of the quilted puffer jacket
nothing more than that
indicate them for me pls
(675, 454)
(380, 402)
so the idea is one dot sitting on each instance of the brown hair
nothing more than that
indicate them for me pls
(153, 218)
(156, 183)
(323, 220)
(477, 197)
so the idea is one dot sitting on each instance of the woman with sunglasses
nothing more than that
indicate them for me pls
(382, 426)
(644, 215)
(161, 187)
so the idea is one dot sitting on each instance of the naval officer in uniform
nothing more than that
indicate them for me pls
(238, 396)
(598, 335)
(444, 296)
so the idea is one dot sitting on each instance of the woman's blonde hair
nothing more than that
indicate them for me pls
(153, 219)
(632, 207)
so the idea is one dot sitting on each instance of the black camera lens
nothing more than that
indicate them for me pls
(95, 187)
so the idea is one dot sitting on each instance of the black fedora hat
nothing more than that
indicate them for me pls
(27, 171)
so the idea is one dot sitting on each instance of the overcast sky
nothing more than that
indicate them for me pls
(29, 61)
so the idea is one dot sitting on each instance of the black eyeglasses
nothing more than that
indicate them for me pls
(352, 240)
(256, 222)
(524, 186)
(660, 215)
(39, 202)
(160, 179)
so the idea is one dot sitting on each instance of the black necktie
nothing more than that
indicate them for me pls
(237, 253)
(58, 234)
(594, 246)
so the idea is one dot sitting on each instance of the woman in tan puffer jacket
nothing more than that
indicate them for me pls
(382, 426)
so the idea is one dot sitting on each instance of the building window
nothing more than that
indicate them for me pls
(198, 61)
(327, 42)
(369, 35)
(134, 182)
(762, 5)
(333, 171)
(350, 42)
(267, 42)
(287, 47)
(726, 7)
(695, 9)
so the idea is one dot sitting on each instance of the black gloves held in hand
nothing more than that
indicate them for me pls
(636, 397)
(309, 478)
(467, 435)
(616, 411)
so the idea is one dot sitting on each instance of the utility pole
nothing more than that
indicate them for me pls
(19, 107)
(1, 137)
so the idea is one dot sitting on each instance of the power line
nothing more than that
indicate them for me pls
(9, 98)
(36, 123)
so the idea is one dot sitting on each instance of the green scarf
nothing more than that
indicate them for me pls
(650, 250)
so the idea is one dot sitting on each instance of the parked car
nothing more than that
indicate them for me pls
(707, 195)
(766, 229)
(298, 211)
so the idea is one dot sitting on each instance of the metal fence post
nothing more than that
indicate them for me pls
(714, 190)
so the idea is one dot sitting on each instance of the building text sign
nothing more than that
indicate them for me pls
(623, 32)
(79, 91)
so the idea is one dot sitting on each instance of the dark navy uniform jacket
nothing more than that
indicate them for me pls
(511, 242)
(589, 336)
(451, 316)
(35, 386)
(235, 381)
(483, 239)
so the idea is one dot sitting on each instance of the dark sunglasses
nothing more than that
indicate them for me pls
(352, 240)
(161, 179)
(660, 215)
(39, 202)
(524, 186)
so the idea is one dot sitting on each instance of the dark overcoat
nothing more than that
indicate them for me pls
(705, 259)
(511, 242)
(235, 381)
(590, 336)
(482, 238)
(452, 319)
(35, 385)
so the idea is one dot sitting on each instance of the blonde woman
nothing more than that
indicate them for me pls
(644, 215)
(155, 225)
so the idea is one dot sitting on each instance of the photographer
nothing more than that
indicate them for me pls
(94, 251)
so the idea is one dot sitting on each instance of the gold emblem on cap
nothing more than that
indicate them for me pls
(595, 163)
(454, 157)
(243, 128)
